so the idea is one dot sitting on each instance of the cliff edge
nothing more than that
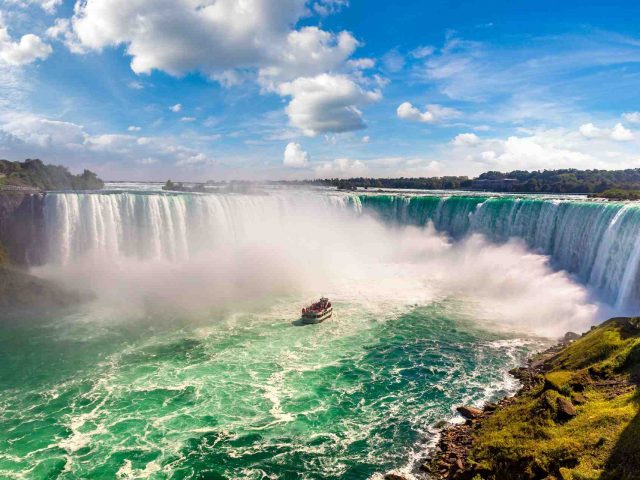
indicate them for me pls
(577, 417)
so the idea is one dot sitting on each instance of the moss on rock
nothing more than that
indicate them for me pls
(531, 438)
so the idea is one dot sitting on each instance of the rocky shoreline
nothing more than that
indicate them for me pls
(576, 417)
(449, 459)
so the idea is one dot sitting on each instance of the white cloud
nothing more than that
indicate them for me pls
(218, 39)
(407, 111)
(341, 167)
(536, 149)
(27, 50)
(423, 52)
(176, 108)
(309, 52)
(231, 41)
(24, 135)
(48, 6)
(393, 61)
(633, 117)
(466, 140)
(618, 132)
(366, 139)
(42, 132)
(589, 130)
(433, 113)
(295, 156)
(326, 7)
(326, 104)
(133, 128)
(195, 160)
(188, 119)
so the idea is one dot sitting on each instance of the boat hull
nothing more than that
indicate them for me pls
(310, 320)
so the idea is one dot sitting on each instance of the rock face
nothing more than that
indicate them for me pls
(470, 413)
(570, 337)
(566, 408)
(20, 291)
(22, 227)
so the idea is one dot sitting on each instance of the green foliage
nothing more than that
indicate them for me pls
(422, 183)
(542, 181)
(34, 173)
(618, 194)
(528, 440)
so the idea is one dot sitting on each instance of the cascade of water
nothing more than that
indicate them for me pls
(596, 241)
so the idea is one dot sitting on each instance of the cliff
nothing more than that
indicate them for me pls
(21, 292)
(577, 417)
(22, 227)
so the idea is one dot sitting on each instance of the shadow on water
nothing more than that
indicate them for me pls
(300, 323)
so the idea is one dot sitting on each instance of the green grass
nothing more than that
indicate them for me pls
(529, 440)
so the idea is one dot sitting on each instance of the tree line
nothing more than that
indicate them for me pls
(569, 180)
(34, 173)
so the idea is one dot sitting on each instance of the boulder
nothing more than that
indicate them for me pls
(394, 476)
(490, 407)
(566, 408)
(570, 337)
(470, 413)
(579, 399)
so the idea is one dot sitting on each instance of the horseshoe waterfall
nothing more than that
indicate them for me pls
(188, 360)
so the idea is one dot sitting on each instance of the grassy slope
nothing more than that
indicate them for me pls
(531, 439)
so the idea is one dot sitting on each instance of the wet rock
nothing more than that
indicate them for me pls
(470, 413)
(490, 407)
(566, 408)
(394, 476)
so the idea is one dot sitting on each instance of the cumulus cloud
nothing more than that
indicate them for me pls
(27, 135)
(230, 41)
(133, 128)
(433, 113)
(176, 108)
(543, 149)
(632, 117)
(42, 132)
(466, 139)
(308, 52)
(295, 156)
(341, 167)
(27, 50)
(618, 132)
(217, 38)
(407, 111)
(326, 104)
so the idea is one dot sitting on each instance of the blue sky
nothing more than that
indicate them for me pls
(259, 89)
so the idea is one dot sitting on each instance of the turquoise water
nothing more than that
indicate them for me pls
(243, 395)
(147, 382)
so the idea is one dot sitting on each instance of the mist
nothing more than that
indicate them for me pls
(248, 252)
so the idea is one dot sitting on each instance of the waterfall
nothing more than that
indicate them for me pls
(169, 226)
(597, 242)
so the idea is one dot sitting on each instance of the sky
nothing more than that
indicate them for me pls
(298, 89)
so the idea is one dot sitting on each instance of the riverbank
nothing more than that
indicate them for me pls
(576, 417)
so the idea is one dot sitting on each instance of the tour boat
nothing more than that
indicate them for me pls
(317, 312)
